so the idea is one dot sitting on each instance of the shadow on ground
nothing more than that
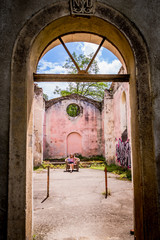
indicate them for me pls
(76, 208)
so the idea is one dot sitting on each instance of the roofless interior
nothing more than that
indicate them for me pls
(85, 37)
(83, 75)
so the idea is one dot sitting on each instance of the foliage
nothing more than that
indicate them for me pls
(93, 90)
(108, 192)
(45, 96)
(73, 110)
(124, 173)
(34, 237)
(82, 62)
(44, 165)
(96, 162)
(93, 158)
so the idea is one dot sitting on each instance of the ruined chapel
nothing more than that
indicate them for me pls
(130, 30)
(93, 130)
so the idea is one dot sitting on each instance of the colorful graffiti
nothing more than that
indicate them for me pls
(123, 153)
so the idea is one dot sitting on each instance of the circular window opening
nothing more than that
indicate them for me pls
(73, 110)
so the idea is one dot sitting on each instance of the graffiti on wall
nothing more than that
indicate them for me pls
(123, 153)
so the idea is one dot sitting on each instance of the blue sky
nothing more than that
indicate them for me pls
(53, 61)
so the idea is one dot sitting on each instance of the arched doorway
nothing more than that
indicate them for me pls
(74, 143)
(123, 111)
(35, 36)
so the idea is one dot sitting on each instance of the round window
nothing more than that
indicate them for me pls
(73, 110)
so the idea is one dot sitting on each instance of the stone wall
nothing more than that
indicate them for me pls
(109, 137)
(21, 23)
(121, 91)
(61, 129)
(95, 131)
(114, 117)
(39, 111)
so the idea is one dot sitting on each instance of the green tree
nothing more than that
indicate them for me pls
(93, 90)
(45, 96)
(82, 62)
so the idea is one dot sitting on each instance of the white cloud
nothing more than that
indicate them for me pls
(88, 48)
(79, 46)
(109, 68)
(50, 67)
(48, 88)
(105, 67)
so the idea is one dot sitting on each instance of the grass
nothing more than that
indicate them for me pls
(44, 165)
(34, 237)
(122, 172)
(108, 192)
(97, 162)
(98, 167)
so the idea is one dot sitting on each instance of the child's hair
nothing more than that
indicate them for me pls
(71, 155)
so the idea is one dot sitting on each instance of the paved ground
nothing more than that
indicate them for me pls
(77, 210)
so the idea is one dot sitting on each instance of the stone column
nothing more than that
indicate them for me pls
(109, 139)
(39, 110)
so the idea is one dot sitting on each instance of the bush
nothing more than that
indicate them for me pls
(123, 172)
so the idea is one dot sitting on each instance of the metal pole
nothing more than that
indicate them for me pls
(48, 171)
(106, 180)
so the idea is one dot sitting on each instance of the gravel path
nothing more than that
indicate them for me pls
(77, 210)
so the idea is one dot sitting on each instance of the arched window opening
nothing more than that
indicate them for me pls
(82, 54)
(73, 110)
(123, 108)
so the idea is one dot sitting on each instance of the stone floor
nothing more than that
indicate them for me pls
(76, 208)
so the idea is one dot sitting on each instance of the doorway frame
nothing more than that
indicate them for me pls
(146, 215)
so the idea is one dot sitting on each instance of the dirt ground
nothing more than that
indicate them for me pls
(76, 208)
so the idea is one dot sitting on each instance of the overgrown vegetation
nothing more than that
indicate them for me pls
(73, 110)
(122, 172)
(96, 162)
(34, 237)
(93, 158)
(45, 96)
(44, 165)
(108, 192)
(93, 90)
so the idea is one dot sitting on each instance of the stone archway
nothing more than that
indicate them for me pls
(32, 40)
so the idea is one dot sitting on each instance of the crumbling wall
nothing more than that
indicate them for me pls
(113, 116)
(122, 134)
(118, 91)
(59, 125)
(21, 24)
(109, 137)
(39, 110)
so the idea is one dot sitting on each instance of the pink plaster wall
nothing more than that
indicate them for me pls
(93, 132)
(74, 143)
(58, 127)
(117, 98)
(103, 137)
(113, 117)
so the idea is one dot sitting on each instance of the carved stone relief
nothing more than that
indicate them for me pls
(82, 7)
